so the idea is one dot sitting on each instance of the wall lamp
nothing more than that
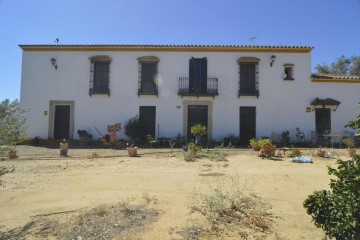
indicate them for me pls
(53, 62)
(273, 57)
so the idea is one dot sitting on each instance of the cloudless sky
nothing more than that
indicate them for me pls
(331, 26)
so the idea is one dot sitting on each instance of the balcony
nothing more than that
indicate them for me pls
(211, 88)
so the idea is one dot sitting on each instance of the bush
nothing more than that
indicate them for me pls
(337, 211)
(12, 125)
(135, 129)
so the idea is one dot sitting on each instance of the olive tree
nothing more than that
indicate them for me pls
(12, 125)
(342, 66)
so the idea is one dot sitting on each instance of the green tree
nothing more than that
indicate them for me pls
(337, 211)
(12, 125)
(342, 66)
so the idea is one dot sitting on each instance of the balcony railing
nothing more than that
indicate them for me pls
(210, 90)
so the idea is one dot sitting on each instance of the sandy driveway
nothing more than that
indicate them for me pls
(44, 183)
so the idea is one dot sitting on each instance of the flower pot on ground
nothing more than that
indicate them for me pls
(320, 153)
(12, 154)
(64, 149)
(112, 129)
(255, 144)
(268, 150)
(350, 143)
(350, 152)
(132, 151)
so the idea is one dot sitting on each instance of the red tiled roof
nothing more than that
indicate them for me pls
(135, 47)
(334, 76)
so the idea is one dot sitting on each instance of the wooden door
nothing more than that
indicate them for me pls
(247, 124)
(62, 122)
(147, 115)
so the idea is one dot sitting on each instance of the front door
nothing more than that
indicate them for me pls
(322, 122)
(197, 114)
(62, 122)
(147, 115)
(247, 124)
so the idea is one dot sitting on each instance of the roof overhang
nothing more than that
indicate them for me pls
(168, 48)
(325, 102)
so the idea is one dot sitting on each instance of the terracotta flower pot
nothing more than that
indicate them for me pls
(113, 138)
(350, 152)
(256, 148)
(64, 146)
(320, 153)
(12, 154)
(132, 151)
(268, 150)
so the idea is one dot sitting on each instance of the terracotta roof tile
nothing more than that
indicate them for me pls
(44, 47)
(334, 76)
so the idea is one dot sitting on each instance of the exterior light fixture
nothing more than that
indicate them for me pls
(273, 57)
(53, 62)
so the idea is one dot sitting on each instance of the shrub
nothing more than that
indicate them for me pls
(337, 211)
(135, 128)
(192, 153)
(198, 129)
(228, 203)
(12, 125)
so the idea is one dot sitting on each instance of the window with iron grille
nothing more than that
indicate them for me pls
(148, 71)
(288, 71)
(249, 76)
(100, 75)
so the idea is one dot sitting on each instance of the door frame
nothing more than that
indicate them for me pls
(51, 128)
(209, 104)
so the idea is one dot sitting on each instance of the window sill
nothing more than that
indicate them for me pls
(249, 94)
(99, 93)
(148, 93)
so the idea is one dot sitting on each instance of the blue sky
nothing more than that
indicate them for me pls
(331, 26)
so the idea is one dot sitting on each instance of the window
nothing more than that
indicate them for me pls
(100, 75)
(288, 71)
(198, 75)
(249, 75)
(148, 69)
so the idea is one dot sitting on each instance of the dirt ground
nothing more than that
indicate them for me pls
(44, 183)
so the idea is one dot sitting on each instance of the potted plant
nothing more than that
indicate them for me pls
(320, 153)
(198, 131)
(350, 144)
(267, 147)
(255, 144)
(64, 148)
(132, 150)
(112, 129)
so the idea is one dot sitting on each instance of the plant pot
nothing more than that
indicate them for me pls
(268, 150)
(256, 148)
(64, 146)
(113, 138)
(12, 154)
(320, 153)
(350, 152)
(132, 151)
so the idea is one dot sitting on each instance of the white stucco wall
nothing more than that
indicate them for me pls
(280, 106)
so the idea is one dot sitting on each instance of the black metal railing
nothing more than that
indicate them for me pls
(210, 89)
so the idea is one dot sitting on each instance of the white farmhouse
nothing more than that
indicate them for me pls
(245, 91)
